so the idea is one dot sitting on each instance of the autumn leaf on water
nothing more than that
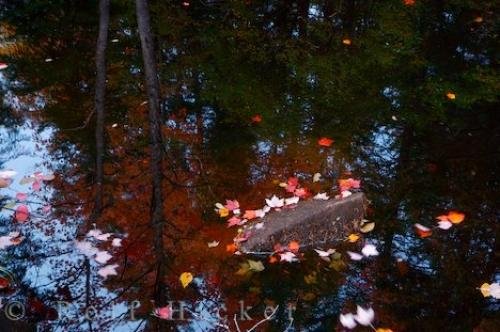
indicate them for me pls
(301, 192)
(21, 197)
(186, 278)
(232, 204)
(255, 266)
(492, 290)
(364, 316)
(275, 202)
(294, 246)
(163, 312)
(350, 183)
(323, 253)
(288, 257)
(12, 239)
(22, 213)
(346, 41)
(102, 257)
(233, 221)
(353, 238)
(409, 2)
(108, 270)
(325, 141)
(316, 177)
(422, 230)
(7, 174)
(292, 200)
(231, 248)
(257, 118)
(249, 215)
(451, 96)
(369, 250)
(223, 212)
(453, 217)
(213, 244)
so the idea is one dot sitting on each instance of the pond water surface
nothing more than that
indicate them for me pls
(407, 90)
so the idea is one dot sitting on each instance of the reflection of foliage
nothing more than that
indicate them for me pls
(382, 98)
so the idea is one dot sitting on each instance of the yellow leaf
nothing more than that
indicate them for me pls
(353, 238)
(383, 330)
(367, 227)
(223, 212)
(256, 266)
(310, 278)
(485, 289)
(186, 278)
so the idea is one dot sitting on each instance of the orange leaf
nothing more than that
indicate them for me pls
(325, 141)
(456, 217)
(346, 41)
(256, 118)
(231, 248)
(249, 215)
(450, 95)
(294, 246)
(423, 231)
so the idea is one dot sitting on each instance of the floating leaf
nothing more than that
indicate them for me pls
(364, 316)
(102, 257)
(275, 202)
(367, 226)
(485, 289)
(21, 197)
(213, 244)
(325, 141)
(4, 183)
(22, 213)
(255, 266)
(108, 270)
(450, 95)
(347, 320)
(186, 278)
(353, 237)
(311, 278)
(326, 253)
(369, 250)
(7, 174)
(316, 177)
(321, 196)
(422, 231)
(293, 246)
(257, 118)
(223, 212)
(288, 257)
(26, 180)
(346, 41)
(456, 217)
(163, 312)
(354, 256)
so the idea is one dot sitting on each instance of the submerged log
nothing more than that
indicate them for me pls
(313, 223)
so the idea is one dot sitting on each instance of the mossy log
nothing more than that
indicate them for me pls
(313, 223)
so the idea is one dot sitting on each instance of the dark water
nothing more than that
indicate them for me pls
(409, 93)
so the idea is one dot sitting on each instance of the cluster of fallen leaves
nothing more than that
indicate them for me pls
(294, 192)
(88, 247)
(445, 222)
(21, 210)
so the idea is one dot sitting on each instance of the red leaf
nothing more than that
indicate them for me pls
(325, 141)
(256, 118)
(22, 213)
